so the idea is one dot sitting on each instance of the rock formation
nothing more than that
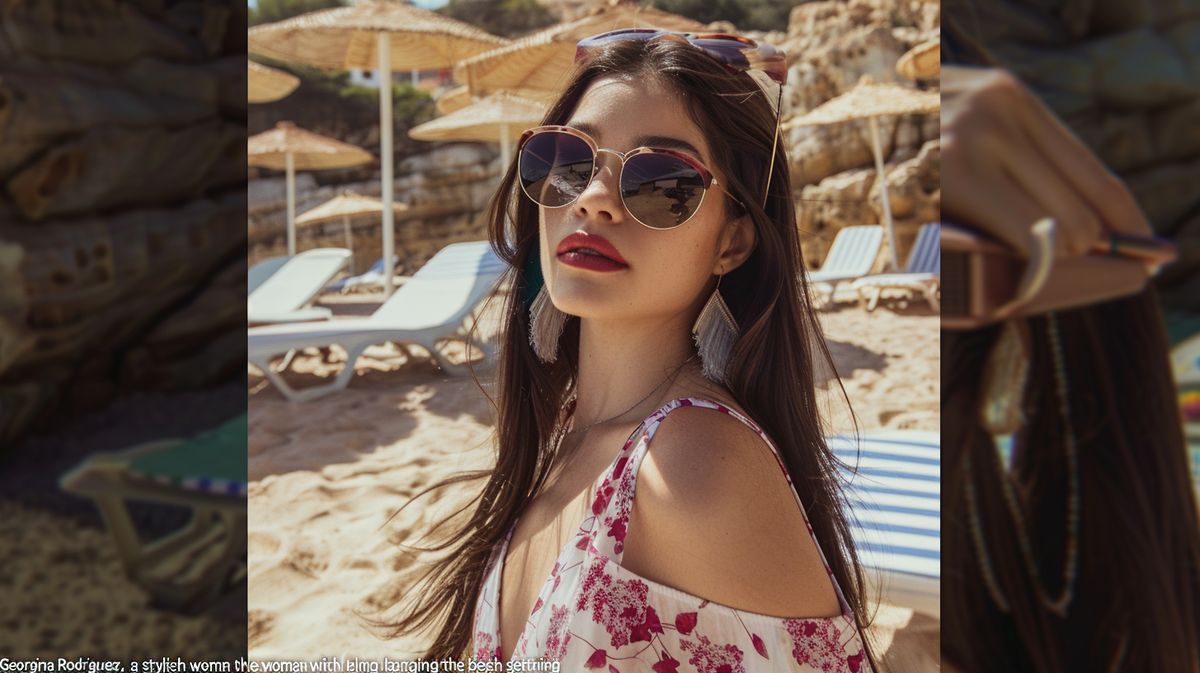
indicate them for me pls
(1125, 77)
(122, 159)
(830, 45)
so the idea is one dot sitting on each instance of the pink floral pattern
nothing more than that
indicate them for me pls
(710, 658)
(483, 647)
(559, 637)
(617, 604)
(593, 614)
(817, 643)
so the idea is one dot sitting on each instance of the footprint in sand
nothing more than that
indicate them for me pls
(259, 624)
(262, 544)
(886, 416)
(360, 564)
(307, 557)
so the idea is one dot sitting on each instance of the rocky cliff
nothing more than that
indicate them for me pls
(122, 160)
(1125, 76)
(830, 45)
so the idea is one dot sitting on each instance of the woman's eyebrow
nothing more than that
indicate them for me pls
(665, 142)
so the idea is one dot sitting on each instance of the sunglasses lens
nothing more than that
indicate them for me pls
(660, 190)
(555, 168)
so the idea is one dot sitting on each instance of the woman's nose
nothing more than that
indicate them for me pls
(602, 197)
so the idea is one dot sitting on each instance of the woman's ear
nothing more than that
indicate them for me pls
(737, 242)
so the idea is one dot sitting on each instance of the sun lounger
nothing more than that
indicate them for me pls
(436, 303)
(895, 497)
(286, 295)
(372, 277)
(922, 273)
(187, 569)
(850, 257)
(260, 272)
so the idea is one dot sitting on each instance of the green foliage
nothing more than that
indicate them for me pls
(745, 14)
(410, 106)
(269, 11)
(507, 18)
(310, 77)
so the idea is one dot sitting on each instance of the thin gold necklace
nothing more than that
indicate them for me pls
(1061, 603)
(561, 432)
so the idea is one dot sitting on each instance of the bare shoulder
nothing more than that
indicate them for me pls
(714, 516)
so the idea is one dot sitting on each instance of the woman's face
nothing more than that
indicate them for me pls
(666, 269)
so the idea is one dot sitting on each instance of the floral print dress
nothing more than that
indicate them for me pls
(593, 614)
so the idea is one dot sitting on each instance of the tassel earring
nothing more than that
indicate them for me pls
(714, 332)
(545, 326)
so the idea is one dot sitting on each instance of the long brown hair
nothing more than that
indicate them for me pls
(771, 367)
(1137, 588)
(1136, 600)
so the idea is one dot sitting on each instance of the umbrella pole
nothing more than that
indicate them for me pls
(291, 205)
(505, 149)
(349, 241)
(893, 260)
(385, 157)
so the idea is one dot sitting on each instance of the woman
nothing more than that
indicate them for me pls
(656, 298)
(1079, 550)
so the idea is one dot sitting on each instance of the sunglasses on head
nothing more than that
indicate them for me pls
(661, 188)
(736, 53)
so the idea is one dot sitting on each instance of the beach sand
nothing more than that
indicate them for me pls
(63, 592)
(65, 595)
(325, 477)
(888, 361)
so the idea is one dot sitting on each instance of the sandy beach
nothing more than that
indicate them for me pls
(325, 477)
(63, 592)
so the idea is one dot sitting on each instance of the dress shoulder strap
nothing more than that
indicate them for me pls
(613, 499)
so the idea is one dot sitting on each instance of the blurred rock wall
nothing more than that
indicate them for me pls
(122, 170)
(1125, 76)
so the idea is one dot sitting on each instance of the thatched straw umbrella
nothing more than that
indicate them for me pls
(287, 147)
(492, 120)
(542, 61)
(868, 100)
(264, 85)
(923, 61)
(374, 35)
(343, 207)
(454, 99)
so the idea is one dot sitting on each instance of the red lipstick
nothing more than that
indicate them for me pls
(590, 251)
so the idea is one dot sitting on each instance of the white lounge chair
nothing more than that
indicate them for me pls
(921, 274)
(850, 257)
(260, 272)
(286, 295)
(896, 499)
(434, 304)
(372, 277)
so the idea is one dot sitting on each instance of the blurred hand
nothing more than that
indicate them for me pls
(1007, 162)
